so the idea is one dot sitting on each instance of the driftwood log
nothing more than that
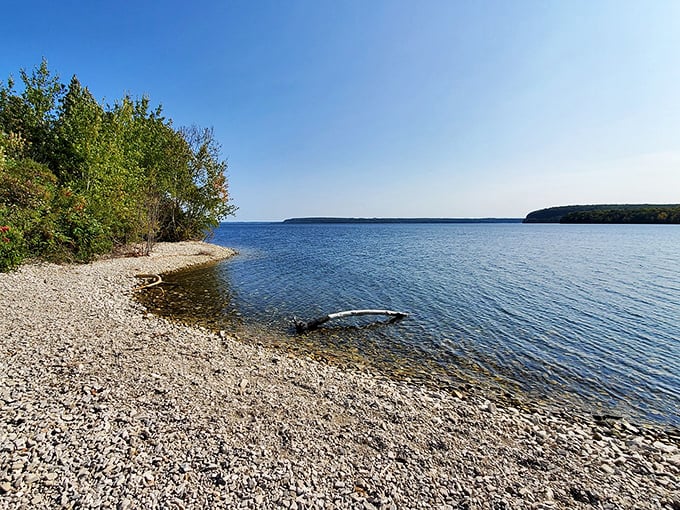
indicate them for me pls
(157, 280)
(302, 326)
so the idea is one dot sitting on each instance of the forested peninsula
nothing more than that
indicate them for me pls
(608, 213)
(79, 178)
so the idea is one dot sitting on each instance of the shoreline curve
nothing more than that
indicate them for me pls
(104, 404)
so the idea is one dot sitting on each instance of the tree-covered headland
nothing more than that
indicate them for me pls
(79, 178)
(608, 213)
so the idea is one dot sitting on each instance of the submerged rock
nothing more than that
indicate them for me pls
(102, 406)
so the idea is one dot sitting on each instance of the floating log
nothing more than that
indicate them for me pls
(302, 326)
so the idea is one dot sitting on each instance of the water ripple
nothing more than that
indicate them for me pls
(587, 313)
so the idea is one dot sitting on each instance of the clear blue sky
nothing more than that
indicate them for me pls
(391, 108)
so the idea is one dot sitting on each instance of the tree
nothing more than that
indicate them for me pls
(32, 113)
(75, 156)
(206, 200)
(77, 178)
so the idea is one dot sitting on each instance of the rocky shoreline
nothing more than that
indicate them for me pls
(103, 405)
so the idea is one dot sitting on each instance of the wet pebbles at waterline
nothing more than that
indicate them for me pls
(104, 405)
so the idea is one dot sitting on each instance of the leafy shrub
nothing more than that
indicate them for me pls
(12, 248)
(83, 234)
(78, 178)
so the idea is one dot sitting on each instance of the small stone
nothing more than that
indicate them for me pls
(5, 487)
(243, 384)
(629, 427)
(259, 499)
(31, 477)
(50, 477)
(607, 469)
(635, 443)
(666, 448)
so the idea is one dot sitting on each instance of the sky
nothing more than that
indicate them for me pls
(394, 108)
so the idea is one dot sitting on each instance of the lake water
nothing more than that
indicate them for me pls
(585, 315)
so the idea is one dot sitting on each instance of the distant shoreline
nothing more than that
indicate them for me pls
(608, 214)
(400, 220)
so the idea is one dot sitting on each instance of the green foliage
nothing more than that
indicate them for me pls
(31, 114)
(200, 199)
(26, 193)
(12, 247)
(605, 213)
(77, 133)
(78, 178)
(647, 214)
(78, 233)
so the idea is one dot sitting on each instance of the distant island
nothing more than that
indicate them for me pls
(596, 213)
(608, 213)
(400, 220)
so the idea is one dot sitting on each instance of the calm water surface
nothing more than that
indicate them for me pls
(585, 314)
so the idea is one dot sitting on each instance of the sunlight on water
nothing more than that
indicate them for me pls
(585, 315)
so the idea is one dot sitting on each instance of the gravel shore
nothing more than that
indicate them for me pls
(103, 405)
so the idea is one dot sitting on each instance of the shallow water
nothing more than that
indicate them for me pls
(585, 315)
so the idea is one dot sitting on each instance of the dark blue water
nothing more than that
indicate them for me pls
(578, 313)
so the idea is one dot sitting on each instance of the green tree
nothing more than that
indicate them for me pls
(77, 178)
(32, 113)
(27, 190)
(206, 200)
(77, 128)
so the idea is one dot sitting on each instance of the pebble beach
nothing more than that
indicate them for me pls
(104, 405)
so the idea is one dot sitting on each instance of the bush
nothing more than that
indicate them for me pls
(12, 248)
(73, 233)
(85, 235)
(77, 177)
(26, 194)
